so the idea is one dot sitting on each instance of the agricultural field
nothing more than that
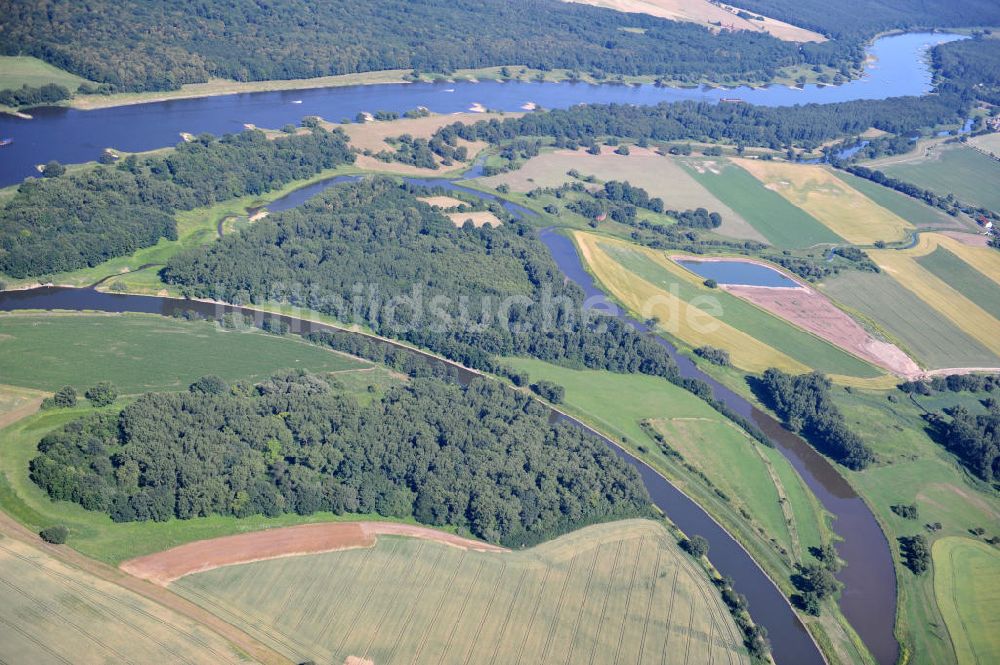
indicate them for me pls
(820, 193)
(962, 277)
(56, 613)
(912, 210)
(618, 592)
(651, 285)
(618, 404)
(708, 14)
(988, 143)
(946, 299)
(781, 223)
(967, 586)
(895, 311)
(145, 352)
(952, 169)
(660, 176)
(19, 70)
(914, 469)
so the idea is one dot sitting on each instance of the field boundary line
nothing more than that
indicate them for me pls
(649, 603)
(437, 611)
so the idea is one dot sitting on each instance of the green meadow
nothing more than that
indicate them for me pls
(618, 405)
(962, 277)
(145, 352)
(967, 586)
(783, 224)
(19, 70)
(965, 172)
(884, 303)
(913, 469)
(742, 315)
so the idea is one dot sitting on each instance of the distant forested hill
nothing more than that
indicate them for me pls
(849, 18)
(133, 45)
(483, 457)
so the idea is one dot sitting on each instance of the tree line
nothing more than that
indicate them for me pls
(81, 219)
(49, 93)
(482, 458)
(804, 404)
(136, 45)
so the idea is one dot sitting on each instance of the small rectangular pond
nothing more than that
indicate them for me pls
(736, 272)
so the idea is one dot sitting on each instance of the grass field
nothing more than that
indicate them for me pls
(913, 469)
(618, 592)
(962, 277)
(783, 224)
(140, 352)
(660, 176)
(939, 295)
(954, 169)
(652, 285)
(816, 190)
(915, 212)
(55, 613)
(618, 404)
(930, 337)
(989, 143)
(967, 586)
(19, 70)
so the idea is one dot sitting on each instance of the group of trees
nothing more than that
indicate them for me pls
(803, 402)
(973, 438)
(807, 126)
(86, 218)
(28, 96)
(369, 252)
(100, 394)
(916, 553)
(955, 383)
(482, 458)
(134, 45)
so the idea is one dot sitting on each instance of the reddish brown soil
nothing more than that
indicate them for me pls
(812, 311)
(199, 556)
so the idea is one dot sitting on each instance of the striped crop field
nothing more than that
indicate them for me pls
(819, 192)
(946, 299)
(621, 592)
(55, 613)
(651, 285)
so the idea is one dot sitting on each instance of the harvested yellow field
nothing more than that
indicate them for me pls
(688, 322)
(817, 191)
(443, 202)
(479, 218)
(55, 613)
(621, 592)
(965, 314)
(708, 14)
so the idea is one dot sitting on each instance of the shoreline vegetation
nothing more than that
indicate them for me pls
(220, 87)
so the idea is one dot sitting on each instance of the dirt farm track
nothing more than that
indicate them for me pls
(166, 566)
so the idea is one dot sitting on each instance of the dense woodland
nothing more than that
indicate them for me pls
(848, 18)
(803, 402)
(77, 220)
(743, 124)
(136, 45)
(974, 438)
(369, 252)
(973, 64)
(483, 458)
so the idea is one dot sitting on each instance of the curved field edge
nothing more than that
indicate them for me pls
(202, 555)
(967, 588)
(614, 592)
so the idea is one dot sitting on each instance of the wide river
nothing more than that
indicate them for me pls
(897, 67)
